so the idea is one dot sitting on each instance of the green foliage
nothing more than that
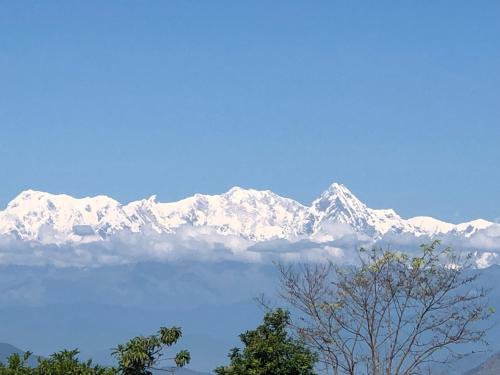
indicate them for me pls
(137, 357)
(142, 354)
(16, 365)
(270, 351)
(66, 362)
(62, 363)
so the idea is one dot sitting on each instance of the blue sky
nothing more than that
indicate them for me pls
(399, 100)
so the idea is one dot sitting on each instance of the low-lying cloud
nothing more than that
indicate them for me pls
(337, 243)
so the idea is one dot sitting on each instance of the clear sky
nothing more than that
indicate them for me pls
(398, 100)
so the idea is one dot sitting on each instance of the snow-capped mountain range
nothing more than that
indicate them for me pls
(250, 214)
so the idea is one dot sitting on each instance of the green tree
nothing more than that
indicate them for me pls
(139, 356)
(65, 362)
(17, 365)
(269, 350)
(142, 354)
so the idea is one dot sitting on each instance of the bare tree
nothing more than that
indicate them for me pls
(391, 315)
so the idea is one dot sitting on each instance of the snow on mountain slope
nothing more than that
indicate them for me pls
(429, 225)
(45, 217)
(252, 214)
(247, 213)
(469, 228)
(338, 205)
(424, 225)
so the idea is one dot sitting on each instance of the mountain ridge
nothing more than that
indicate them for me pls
(247, 213)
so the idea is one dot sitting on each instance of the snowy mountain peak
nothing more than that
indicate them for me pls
(425, 225)
(235, 189)
(30, 200)
(152, 199)
(338, 204)
(338, 196)
(337, 188)
(237, 192)
(250, 214)
(26, 196)
(471, 227)
(46, 217)
(478, 223)
(429, 225)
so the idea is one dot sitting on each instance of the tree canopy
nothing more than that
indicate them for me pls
(139, 356)
(61, 363)
(142, 355)
(269, 350)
